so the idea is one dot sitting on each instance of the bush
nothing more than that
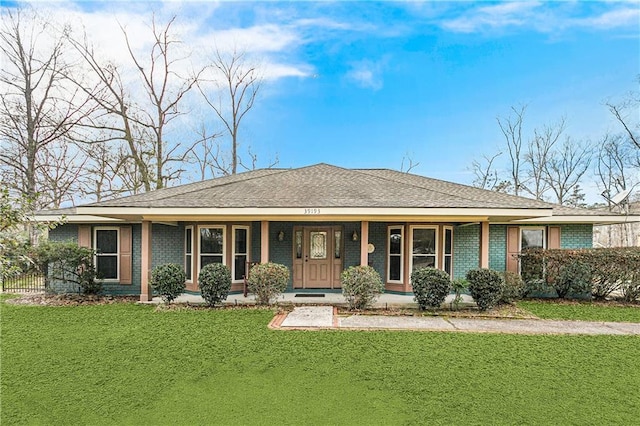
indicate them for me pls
(361, 286)
(513, 287)
(68, 264)
(631, 287)
(430, 287)
(485, 286)
(168, 281)
(458, 285)
(214, 282)
(573, 278)
(267, 281)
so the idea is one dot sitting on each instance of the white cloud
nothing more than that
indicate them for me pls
(367, 74)
(489, 17)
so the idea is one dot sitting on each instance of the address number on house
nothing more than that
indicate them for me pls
(312, 211)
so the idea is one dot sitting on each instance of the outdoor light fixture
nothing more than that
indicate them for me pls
(281, 236)
(354, 236)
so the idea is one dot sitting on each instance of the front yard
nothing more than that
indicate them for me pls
(131, 364)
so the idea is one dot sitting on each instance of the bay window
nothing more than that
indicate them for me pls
(211, 245)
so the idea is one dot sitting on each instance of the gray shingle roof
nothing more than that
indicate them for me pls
(323, 185)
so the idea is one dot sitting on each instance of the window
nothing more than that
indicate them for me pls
(395, 252)
(106, 243)
(424, 247)
(188, 252)
(531, 237)
(211, 245)
(447, 249)
(240, 251)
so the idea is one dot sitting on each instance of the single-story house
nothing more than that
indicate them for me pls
(318, 220)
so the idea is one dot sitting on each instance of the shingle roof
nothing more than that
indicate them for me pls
(324, 185)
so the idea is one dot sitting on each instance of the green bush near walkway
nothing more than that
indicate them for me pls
(133, 364)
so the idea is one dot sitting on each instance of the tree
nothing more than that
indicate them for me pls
(38, 107)
(511, 128)
(239, 83)
(565, 168)
(487, 176)
(539, 152)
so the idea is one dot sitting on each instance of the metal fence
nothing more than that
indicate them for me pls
(24, 282)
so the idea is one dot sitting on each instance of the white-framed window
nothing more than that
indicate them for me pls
(241, 243)
(188, 253)
(424, 247)
(395, 254)
(447, 249)
(106, 243)
(532, 237)
(211, 245)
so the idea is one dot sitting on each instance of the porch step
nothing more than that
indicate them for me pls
(309, 316)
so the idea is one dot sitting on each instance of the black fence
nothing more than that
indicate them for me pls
(24, 282)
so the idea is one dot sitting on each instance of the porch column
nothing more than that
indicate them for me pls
(484, 244)
(364, 243)
(145, 262)
(264, 241)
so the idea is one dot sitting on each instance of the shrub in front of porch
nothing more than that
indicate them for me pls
(485, 286)
(430, 287)
(267, 281)
(361, 286)
(168, 281)
(214, 281)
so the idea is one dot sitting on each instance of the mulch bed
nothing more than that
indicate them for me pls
(41, 299)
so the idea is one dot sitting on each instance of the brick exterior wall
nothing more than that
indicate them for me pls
(498, 247)
(377, 259)
(576, 236)
(466, 249)
(167, 244)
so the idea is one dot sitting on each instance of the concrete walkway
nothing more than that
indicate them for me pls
(325, 317)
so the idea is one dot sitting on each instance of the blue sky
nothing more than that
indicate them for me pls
(363, 84)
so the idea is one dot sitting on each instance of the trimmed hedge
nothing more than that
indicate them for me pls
(267, 281)
(430, 287)
(599, 271)
(168, 281)
(214, 281)
(361, 286)
(485, 286)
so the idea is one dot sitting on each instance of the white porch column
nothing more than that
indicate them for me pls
(264, 241)
(146, 293)
(484, 244)
(364, 243)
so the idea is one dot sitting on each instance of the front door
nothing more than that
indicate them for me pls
(317, 257)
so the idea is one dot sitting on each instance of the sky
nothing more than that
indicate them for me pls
(366, 84)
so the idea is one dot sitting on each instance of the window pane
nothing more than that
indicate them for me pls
(447, 241)
(424, 262)
(211, 240)
(107, 267)
(532, 238)
(107, 241)
(318, 245)
(395, 241)
(187, 266)
(241, 241)
(447, 264)
(205, 260)
(239, 267)
(337, 241)
(188, 240)
(424, 241)
(394, 268)
(298, 244)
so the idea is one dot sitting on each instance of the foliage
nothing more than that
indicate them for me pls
(361, 286)
(168, 281)
(232, 357)
(513, 287)
(68, 263)
(214, 282)
(430, 287)
(575, 278)
(631, 287)
(610, 268)
(485, 286)
(581, 311)
(458, 285)
(267, 281)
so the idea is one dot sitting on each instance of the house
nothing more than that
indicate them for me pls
(318, 220)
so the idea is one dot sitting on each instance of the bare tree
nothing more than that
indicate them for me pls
(511, 128)
(487, 176)
(239, 83)
(539, 152)
(565, 168)
(38, 106)
(410, 164)
(62, 171)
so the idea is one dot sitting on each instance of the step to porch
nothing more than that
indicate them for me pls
(309, 316)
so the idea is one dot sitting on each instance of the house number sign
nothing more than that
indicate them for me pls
(312, 211)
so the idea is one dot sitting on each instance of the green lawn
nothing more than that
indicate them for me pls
(585, 311)
(130, 364)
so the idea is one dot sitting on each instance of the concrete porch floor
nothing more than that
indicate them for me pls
(385, 300)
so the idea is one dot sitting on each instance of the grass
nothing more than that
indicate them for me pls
(131, 364)
(583, 311)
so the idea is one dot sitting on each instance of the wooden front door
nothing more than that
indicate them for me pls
(317, 257)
